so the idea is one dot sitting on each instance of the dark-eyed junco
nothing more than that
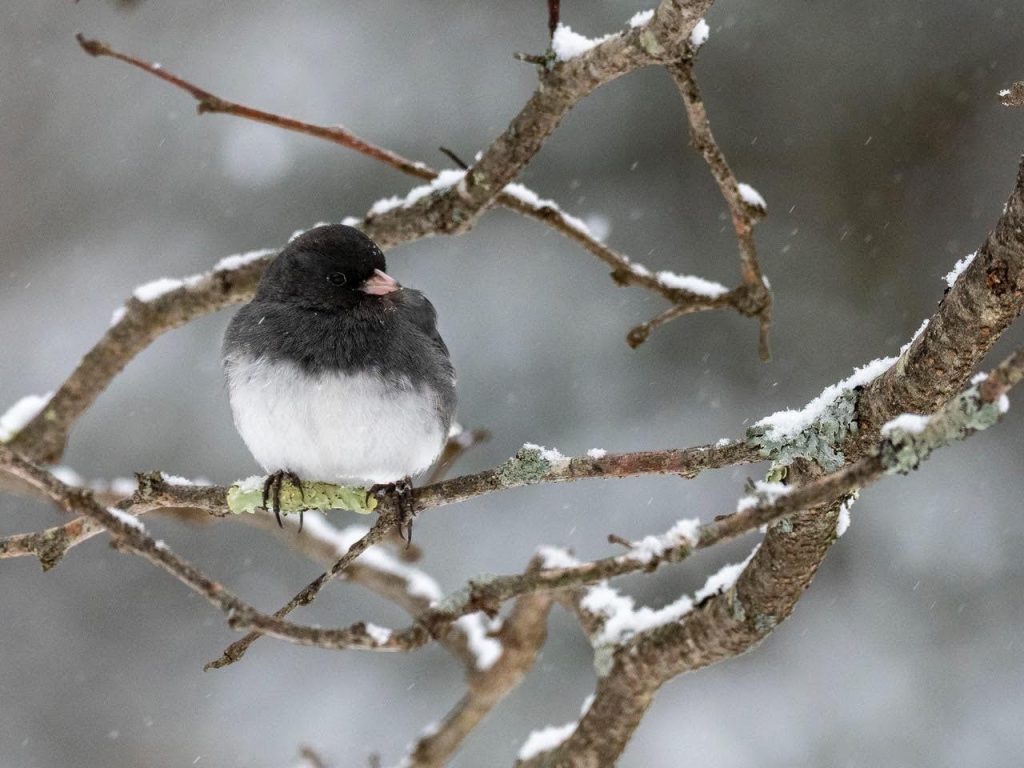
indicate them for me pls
(336, 372)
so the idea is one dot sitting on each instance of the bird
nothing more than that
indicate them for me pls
(337, 373)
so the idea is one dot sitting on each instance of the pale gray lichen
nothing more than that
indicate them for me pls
(903, 451)
(456, 601)
(739, 611)
(819, 441)
(649, 43)
(528, 466)
(604, 658)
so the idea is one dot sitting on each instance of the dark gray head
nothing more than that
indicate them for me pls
(327, 268)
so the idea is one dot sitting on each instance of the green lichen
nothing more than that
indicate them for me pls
(765, 623)
(604, 658)
(649, 43)
(248, 497)
(528, 466)
(903, 451)
(819, 441)
(480, 180)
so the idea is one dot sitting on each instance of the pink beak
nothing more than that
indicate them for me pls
(380, 284)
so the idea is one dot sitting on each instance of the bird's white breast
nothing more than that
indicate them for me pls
(334, 427)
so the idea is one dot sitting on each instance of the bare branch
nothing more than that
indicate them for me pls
(745, 211)
(986, 298)
(44, 437)
(208, 102)
(456, 446)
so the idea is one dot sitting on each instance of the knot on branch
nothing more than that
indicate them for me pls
(211, 103)
(751, 300)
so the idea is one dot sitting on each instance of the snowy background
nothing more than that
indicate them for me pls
(874, 133)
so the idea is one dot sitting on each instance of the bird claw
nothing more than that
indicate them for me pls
(272, 492)
(402, 493)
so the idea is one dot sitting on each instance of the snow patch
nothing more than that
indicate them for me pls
(156, 288)
(380, 635)
(67, 475)
(545, 739)
(692, 283)
(640, 18)
(724, 578)
(684, 532)
(526, 195)
(597, 453)
(567, 44)
(446, 179)
(751, 196)
(622, 619)
(911, 423)
(417, 583)
(699, 36)
(20, 414)
(789, 423)
(764, 493)
(843, 521)
(130, 520)
(550, 455)
(239, 260)
(485, 648)
(958, 268)
(556, 557)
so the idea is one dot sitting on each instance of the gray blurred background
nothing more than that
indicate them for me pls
(872, 129)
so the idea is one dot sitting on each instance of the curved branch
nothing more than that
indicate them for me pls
(231, 282)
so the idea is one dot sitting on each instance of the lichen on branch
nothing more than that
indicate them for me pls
(247, 496)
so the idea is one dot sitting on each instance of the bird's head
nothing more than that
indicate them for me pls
(328, 268)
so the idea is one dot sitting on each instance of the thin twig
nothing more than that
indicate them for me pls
(237, 649)
(745, 214)
(454, 449)
(208, 102)
(553, 16)
(155, 493)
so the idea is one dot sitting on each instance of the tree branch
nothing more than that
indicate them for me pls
(521, 636)
(766, 591)
(1013, 96)
(745, 210)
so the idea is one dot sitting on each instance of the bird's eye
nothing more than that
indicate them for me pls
(337, 278)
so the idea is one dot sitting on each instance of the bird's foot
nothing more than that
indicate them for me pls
(272, 492)
(402, 493)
